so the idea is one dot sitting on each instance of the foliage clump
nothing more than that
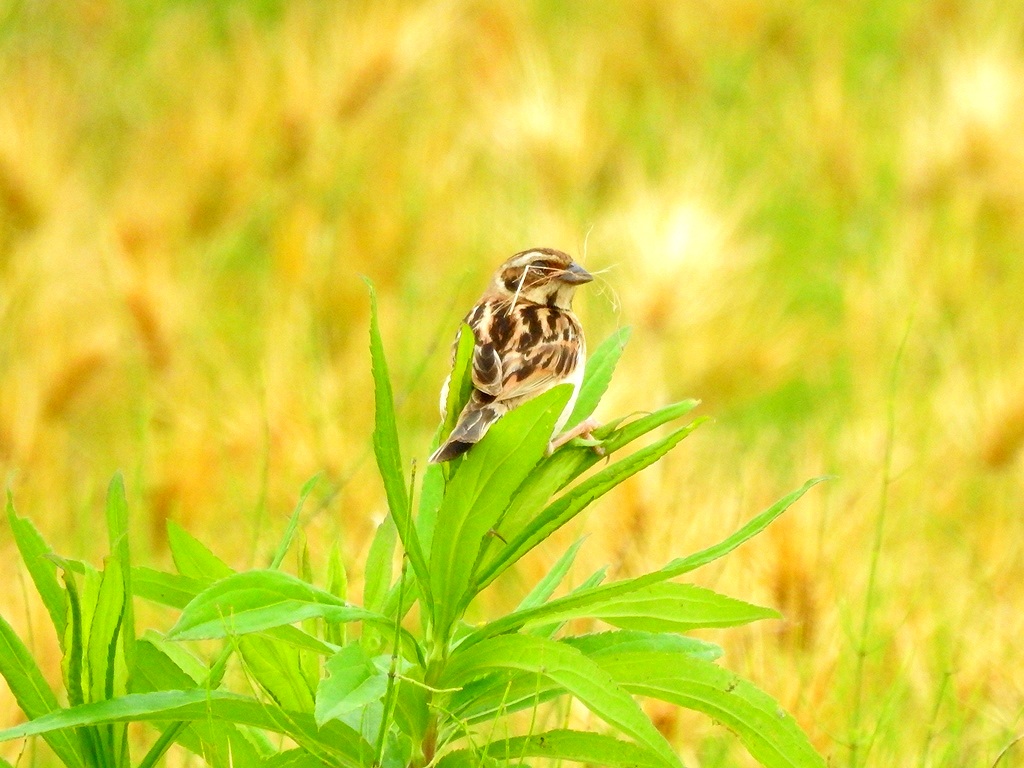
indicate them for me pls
(416, 686)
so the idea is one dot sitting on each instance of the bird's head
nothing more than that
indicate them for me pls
(541, 276)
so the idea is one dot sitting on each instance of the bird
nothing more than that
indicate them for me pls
(527, 340)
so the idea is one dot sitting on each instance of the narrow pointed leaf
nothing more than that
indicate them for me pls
(104, 631)
(571, 503)
(601, 594)
(192, 558)
(571, 461)
(387, 450)
(575, 746)
(570, 669)
(600, 366)
(293, 522)
(34, 552)
(770, 735)
(335, 739)
(379, 565)
(547, 586)
(221, 744)
(460, 382)
(352, 682)
(668, 607)
(254, 601)
(117, 531)
(33, 695)
(636, 641)
(479, 491)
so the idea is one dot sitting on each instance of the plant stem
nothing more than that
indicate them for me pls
(876, 549)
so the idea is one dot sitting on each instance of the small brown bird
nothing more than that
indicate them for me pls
(527, 340)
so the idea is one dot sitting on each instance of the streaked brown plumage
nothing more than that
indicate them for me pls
(527, 340)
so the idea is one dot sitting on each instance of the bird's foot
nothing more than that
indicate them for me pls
(582, 434)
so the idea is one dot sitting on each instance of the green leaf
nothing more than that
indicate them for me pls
(352, 683)
(387, 450)
(34, 552)
(667, 607)
(254, 601)
(275, 666)
(479, 491)
(292, 758)
(598, 375)
(159, 668)
(581, 599)
(750, 530)
(568, 668)
(377, 579)
(571, 503)
(460, 383)
(576, 746)
(33, 695)
(431, 495)
(72, 662)
(631, 640)
(337, 585)
(117, 531)
(335, 741)
(192, 558)
(104, 631)
(104, 670)
(769, 734)
(570, 461)
(170, 589)
(547, 586)
(293, 523)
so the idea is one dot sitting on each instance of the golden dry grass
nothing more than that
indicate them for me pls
(781, 194)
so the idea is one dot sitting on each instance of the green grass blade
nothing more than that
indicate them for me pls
(769, 734)
(33, 695)
(35, 554)
(598, 375)
(387, 450)
(478, 493)
(572, 671)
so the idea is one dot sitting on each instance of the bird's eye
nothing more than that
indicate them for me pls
(511, 279)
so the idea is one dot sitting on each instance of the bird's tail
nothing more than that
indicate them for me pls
(474, 421)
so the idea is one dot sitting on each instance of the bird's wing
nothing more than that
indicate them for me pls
(521, 352)
(537, 369)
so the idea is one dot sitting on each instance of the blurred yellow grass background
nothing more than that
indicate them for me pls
(777, 195)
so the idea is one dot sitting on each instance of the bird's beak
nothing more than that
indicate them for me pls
(575, 275)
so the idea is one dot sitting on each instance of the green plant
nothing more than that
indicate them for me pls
(407, 689)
